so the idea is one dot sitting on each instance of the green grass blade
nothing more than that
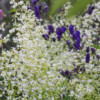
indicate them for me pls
(78, 7)
(56, 5)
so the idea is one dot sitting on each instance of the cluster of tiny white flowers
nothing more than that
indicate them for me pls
(31, 69)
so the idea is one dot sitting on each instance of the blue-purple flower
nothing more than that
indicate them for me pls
(77, 34)
(87, 59)
(63, 29)
(87, 49)
(90, 10)
(37, 12)
(68, 42)
(45, 36)
(93, 50)
(33, 2)
(77, 44)
(46, 9)
(59, 31)
(71, 29)
(53, 39)
(51, 29)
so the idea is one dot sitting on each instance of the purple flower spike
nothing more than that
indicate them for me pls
(28, 7)
(46, 9)
(40, 7)
(98, 57)
(59, 37)
(77, 44)
(45, 36)
(77, 34)
(63, 28)
(71, 29)
(67, 72)
(59, 31)
(37, 12)
(33, 2)
(87, 49)
(62, 72)
(90, 10)
(51, 29)
(68, 42)
(87, 58)
(93, 50)
(83, 34)
(53, 39)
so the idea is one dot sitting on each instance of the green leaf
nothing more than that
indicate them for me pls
(12, 11)
(78, 7)
(56, 5)
(96, 46)
(1, 78)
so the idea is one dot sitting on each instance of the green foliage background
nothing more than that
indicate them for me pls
(78, 6)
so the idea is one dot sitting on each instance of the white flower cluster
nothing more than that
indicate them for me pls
(31, 69)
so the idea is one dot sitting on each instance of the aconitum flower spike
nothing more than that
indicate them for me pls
(37, 12)
(87, 49)
(59, 31)
(53, 39)
(45, 36)
(90, 10)
(87, 59)
(63, 29)
(71, 29)
(62, 72)
(77, 34)
(59, 37)
(51, 29)
(68, 42)
(93, 50)
(67, 72)
(46, 9)
(33, 2)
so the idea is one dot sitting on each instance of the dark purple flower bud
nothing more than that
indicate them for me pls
(63, 28)
(59, 37)
(83, 69)
(46, 9)
(37, 12)
(87, 59)
(73, 36)
(77, 34)
(51, 29)
(59, 10)
(33, 2)
(59, 31)
(76, 70)
(53, 39)
(77, 44)
(68, 42)
(62, 72)
(40, 7)
(45, 36)
(87, 49)
(83, 34)
(0, 47)
(68, 73)
(28, 7)
(90, 10)
(93, 50)
(98, 57)
(71, 29)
